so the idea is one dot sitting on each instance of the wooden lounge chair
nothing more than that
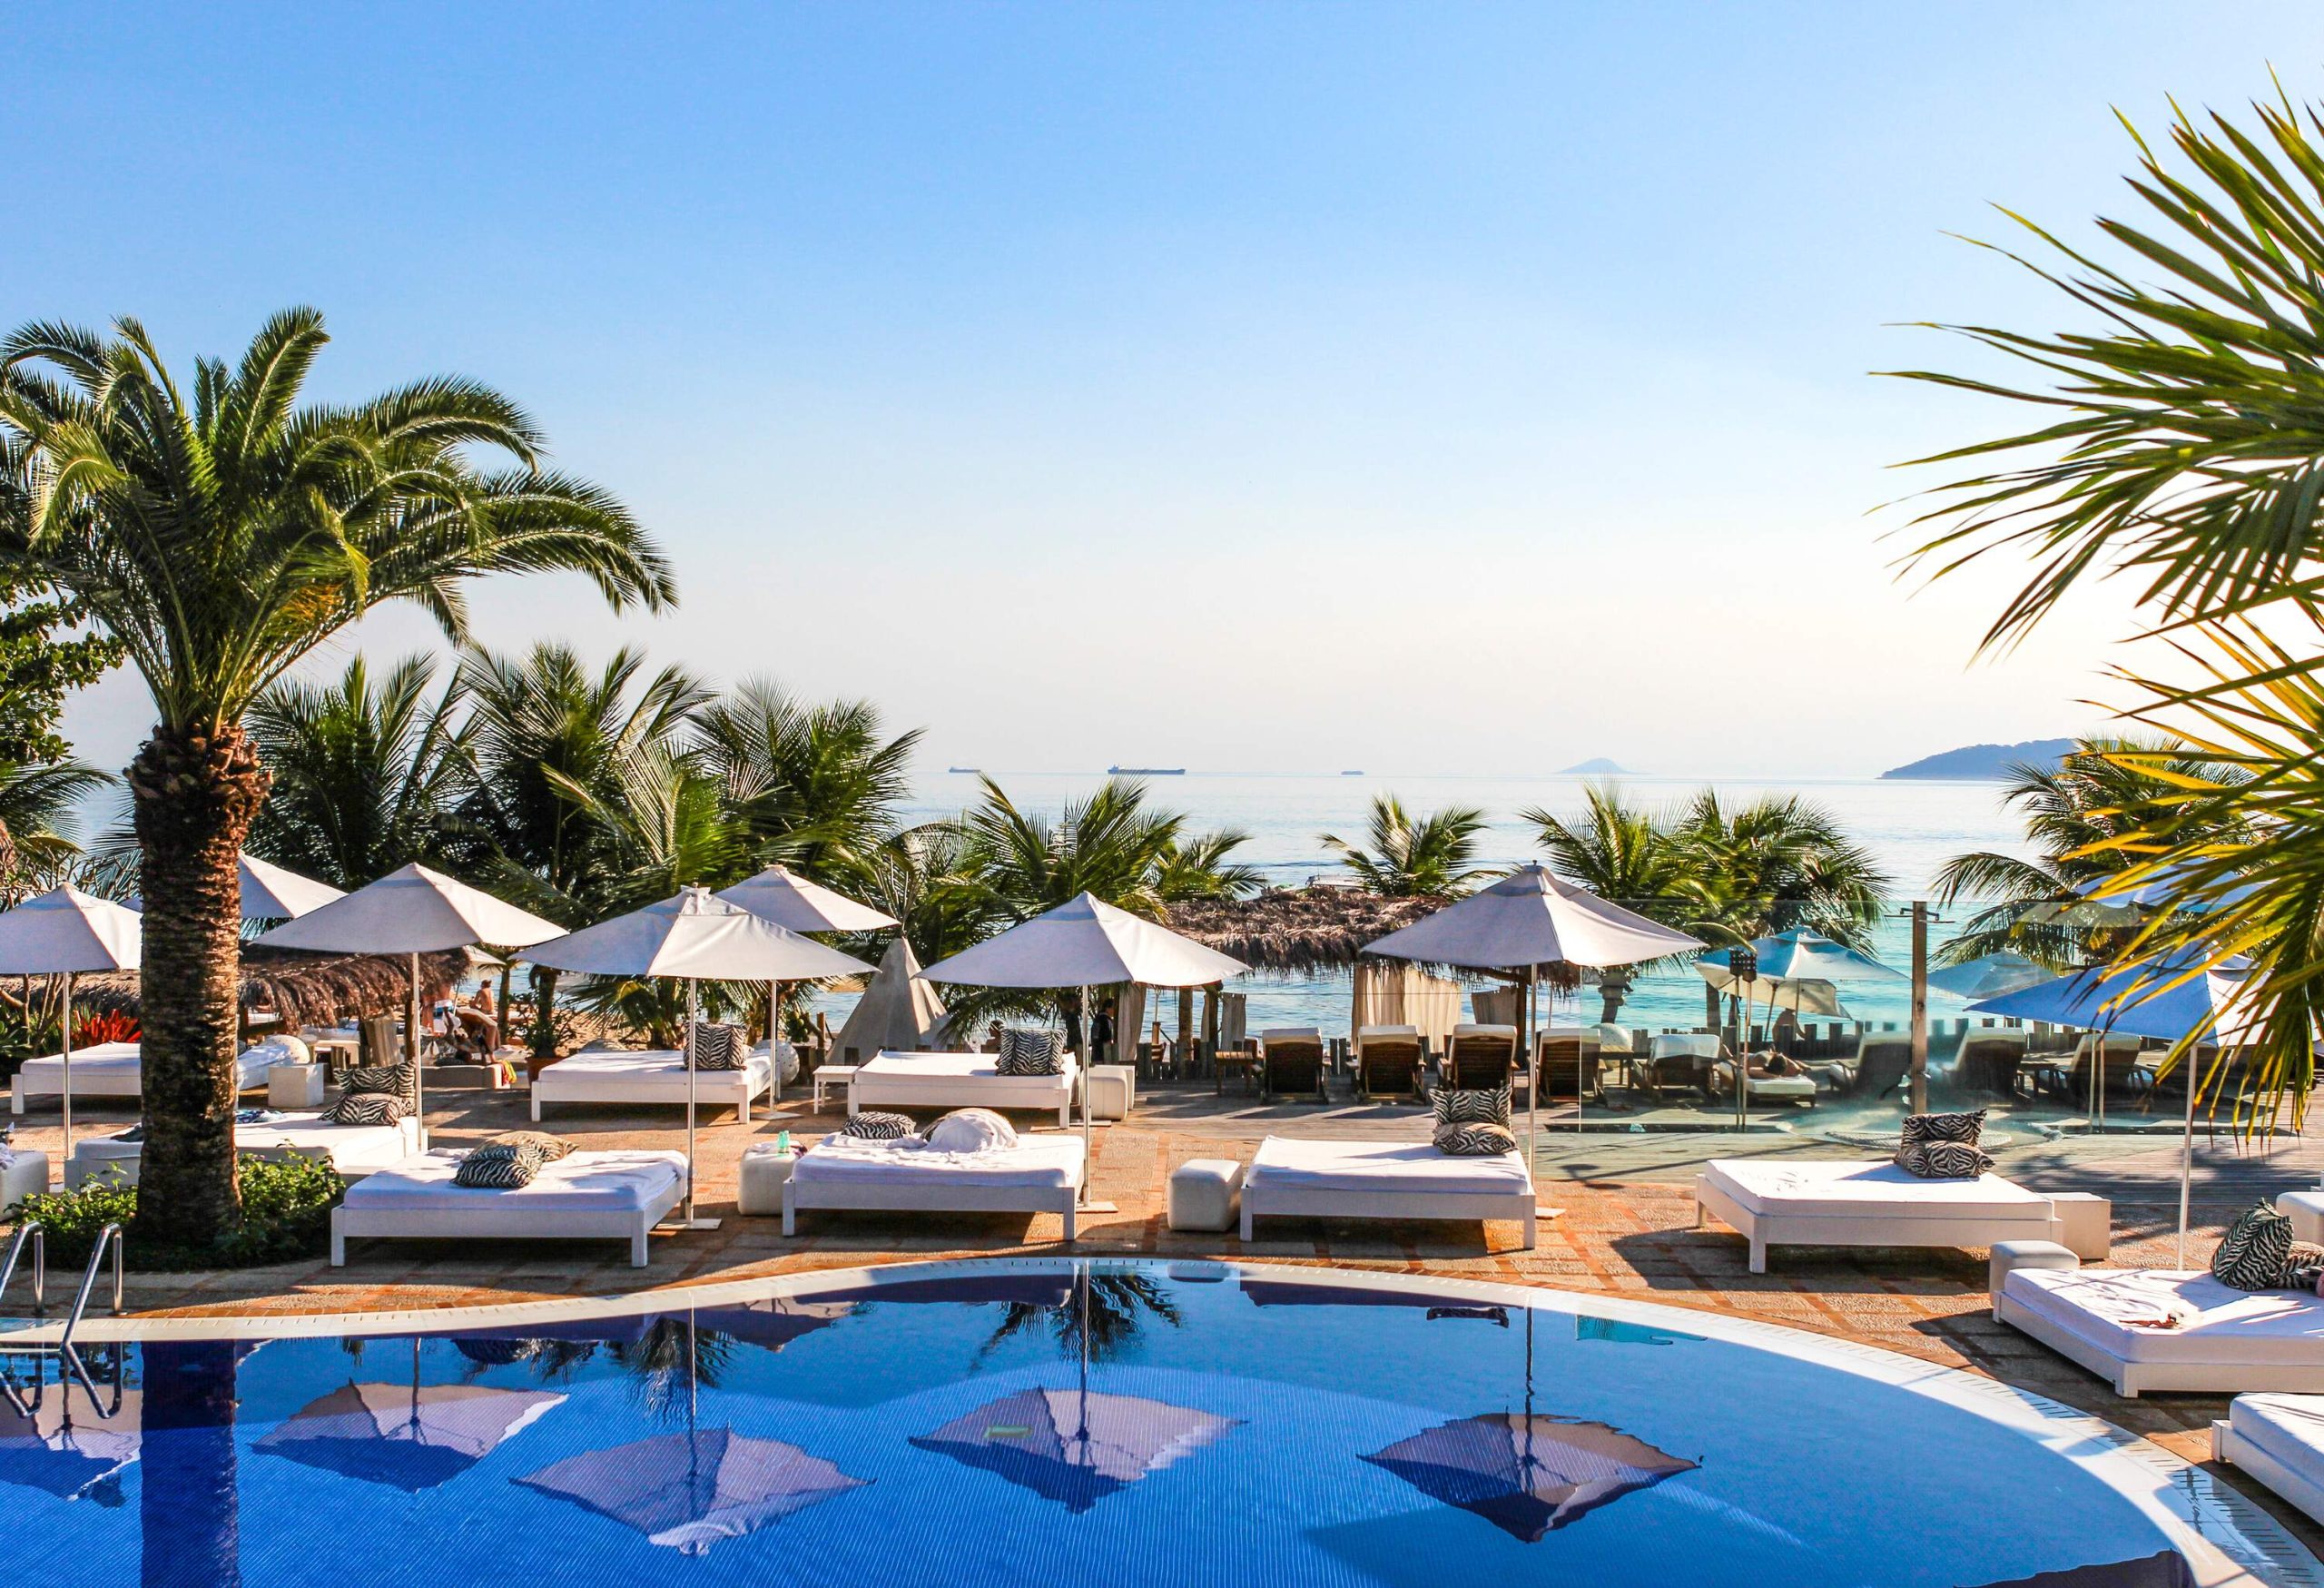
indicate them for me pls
(1989, 1062)
(1883, 1062)
(1480, 1057)
(1675, 1064)
(1291, 1060)
(2115, 1058)
(1569, 1067)
(1388, 1061)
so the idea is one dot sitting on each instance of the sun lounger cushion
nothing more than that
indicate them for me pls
(1053, 1162)
(1394, 1167)
(872, 1124)
(368, 1108)
(2288, 1427)
(1871, 1190)
(499, 1168)
(1479, 1140)
(970, 1131)
(1471, 1108)
(2255, 1251)
(609, 1181)
(2235, 1327)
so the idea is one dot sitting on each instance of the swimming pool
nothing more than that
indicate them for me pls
(1119, 1424)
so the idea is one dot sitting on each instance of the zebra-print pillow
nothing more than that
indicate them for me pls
(2303, 1267)
(1454, 1107)
(874, 1126)
(717, 1047)
(1030, 1052)
(402, 1080)
(498, 1168)
(368, 1108)
(1962, 1127)
(1943, 1160)
(1477, 1140)
(2253, 1253)
(552, 1147)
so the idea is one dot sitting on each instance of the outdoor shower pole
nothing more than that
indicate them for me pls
(1920, 1006)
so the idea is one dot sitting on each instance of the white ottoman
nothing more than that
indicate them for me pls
(765, 1169)
(26, 1175)
(1113, 1090)
(296, 1086)
(2011, 1255)
(1204, 1194)
(2085, 1223)
(103, 1158)
(2305, 1211)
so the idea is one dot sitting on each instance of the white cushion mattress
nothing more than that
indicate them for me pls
(950, 1066)
(1867, 1189)
(621, 1181)
(1036, 1160)
(2289, 1427)
(652, 1065)
(360, 1147)
(119, 1062)
(1398, 1167)
(2234, 1327)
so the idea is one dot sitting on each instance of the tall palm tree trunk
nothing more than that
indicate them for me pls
(193, 795)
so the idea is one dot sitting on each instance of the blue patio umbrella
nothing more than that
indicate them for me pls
(1990, 975)
(1802, 955)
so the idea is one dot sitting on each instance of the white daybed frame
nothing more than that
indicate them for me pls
(310, 1136)
(2132, 1379)
(506, 1220)
(873, 1086)
(1808, 1226)
(563, 1082)
(44, 1076)
(923, 1197)
(2304, 1489)
(1264, 1198)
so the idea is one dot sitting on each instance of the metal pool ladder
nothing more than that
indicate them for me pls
(109, 1236)
(28, 1233)
(69, 1362)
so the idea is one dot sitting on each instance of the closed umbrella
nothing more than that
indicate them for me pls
(699, 937)
(2142, 1001)
(413, 912)
(899, 1010)
(1528, 919)
(61, 933)
(1086, 942)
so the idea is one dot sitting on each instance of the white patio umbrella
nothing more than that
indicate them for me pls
(411, 912)
(273, 892)
(1990, 975)
(1086, 942)
(1800, 994)
(793, 903)
(698, 937)
(1528, 919)
(61, 933)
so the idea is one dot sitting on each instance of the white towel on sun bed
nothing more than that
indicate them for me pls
(1396, 1167)
(1035, 1160)
(612, 1180)
(2106, 1305)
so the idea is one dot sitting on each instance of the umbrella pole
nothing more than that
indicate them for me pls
(1533, 1070)
(692, 1219)
(1087, 1133)
(411, 1046)
(67, 1025)
(2187, 1156)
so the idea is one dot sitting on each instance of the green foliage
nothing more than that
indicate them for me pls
(43, 659)
(814, 785)
(1429, 856)
(1775, 864)
(286, 1215)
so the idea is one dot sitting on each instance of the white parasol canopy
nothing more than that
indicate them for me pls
(700, 937)
(271, 893)
(62, 931)
(780, 895)
(1800, 994)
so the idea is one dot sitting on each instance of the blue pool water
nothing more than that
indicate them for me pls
(1117, 1424)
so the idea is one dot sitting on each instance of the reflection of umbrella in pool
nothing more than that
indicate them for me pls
(43, 1447)
(1527, 1473)
(2165, 1569)
(408, 1437)
(690, 1490)
(1074, 1446)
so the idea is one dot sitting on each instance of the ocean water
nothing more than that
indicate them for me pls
(1913, 828)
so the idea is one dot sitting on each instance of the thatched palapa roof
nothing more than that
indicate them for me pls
(1299, 930)
(305, 989)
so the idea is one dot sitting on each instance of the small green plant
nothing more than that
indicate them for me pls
(286, 1215)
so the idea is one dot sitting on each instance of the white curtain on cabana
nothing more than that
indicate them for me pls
(1394, 993)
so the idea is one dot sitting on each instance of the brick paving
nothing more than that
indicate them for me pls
(1624, 1226)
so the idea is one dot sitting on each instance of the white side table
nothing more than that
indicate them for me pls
(296, 1086)
(766, 1168)
(832, 1075)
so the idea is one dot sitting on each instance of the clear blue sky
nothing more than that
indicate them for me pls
(1461, 387)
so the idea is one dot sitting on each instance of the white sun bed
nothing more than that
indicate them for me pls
(658, 1076)
(354, 1151)
(112, 1070)
(585, 1195)
(1863, 1203)
(2279, 1439)
(1291, 1178)
(2238, 1339)
(1039, 1174)
(957, 1080)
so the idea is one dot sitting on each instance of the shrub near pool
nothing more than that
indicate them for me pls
(286, 1215)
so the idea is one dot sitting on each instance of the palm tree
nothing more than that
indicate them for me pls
(1429, 856)
(1109, 845)
(364, 770)
(1778, 864)
(810, 784)
(221, 535)
(1202, 866)
(926, 878)
(553, 746)
(2077, 812)
(1623, 853)
(37, 846)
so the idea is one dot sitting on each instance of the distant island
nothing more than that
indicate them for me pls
(1146, 772)
(1982, 763)
(1597, 766)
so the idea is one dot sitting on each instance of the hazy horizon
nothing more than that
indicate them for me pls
(1481, 388)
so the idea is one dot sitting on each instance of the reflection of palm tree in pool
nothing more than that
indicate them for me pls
(668, 1360)
(190, 1525)
(1104, 1312)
